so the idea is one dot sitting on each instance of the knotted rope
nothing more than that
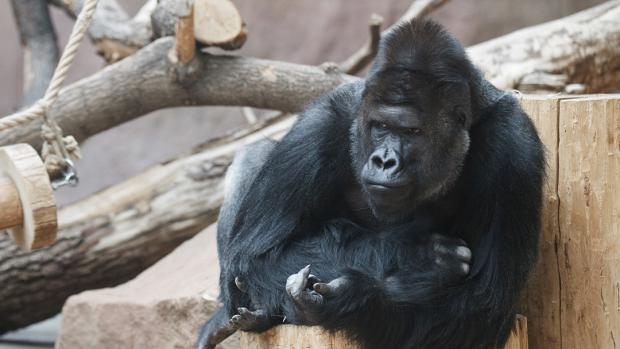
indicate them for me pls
(57, 150)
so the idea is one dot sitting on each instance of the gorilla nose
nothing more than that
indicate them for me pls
(386, 160)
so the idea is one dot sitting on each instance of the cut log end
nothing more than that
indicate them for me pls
(217, 22)
(302, 337)
(27, 205)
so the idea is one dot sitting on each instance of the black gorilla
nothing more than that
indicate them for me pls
(414, 198)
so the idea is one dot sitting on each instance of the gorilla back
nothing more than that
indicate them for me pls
(413, 195)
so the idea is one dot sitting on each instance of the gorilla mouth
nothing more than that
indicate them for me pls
(372, 185)
(385, 193)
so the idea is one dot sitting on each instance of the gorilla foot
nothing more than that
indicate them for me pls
(248, 320)
(310, 295)
(300, 287)
(215, 331)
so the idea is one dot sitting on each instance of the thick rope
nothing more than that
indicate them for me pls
(56, 147)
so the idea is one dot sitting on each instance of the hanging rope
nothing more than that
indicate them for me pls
(57, 150)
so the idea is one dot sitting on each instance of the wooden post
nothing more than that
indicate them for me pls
(303, 337)
(589, 221)
(27, 205)
(542, 296)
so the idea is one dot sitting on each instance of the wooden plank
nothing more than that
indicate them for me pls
(314, 337)
(541, 302)
(589, 191)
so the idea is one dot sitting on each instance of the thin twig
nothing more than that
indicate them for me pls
(185, 43)
(362, 57)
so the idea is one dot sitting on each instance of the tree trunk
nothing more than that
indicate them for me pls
(110, 237)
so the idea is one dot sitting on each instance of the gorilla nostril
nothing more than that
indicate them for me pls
(389, 164)
(377, 161)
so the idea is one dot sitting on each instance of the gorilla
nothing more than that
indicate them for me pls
(403, 210)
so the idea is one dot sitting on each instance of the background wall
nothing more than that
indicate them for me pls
(302, 31)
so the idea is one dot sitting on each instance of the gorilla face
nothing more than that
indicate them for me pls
(411, 140)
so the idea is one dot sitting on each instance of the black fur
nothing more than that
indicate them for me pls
(474, 177)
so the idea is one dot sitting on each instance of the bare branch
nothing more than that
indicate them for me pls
(185, 43)
(113, 32)
(148, 81)
(362, 57)
(38, 40)
(419, 9)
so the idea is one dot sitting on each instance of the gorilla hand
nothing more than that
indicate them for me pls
(450, 259)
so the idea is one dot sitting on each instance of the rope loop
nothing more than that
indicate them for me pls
(58, 151)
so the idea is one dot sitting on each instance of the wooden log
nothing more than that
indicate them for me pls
(218, 22)
(27, 204)
(572, 48)
(313, 337)
(111, 237)
(11, 214)
(151, 81)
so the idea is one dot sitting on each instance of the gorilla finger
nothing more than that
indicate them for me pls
(329, 289)
(465, 268)
(235, 319)
(464, 253)
(461, 252)
(243, 311)
(312, 279)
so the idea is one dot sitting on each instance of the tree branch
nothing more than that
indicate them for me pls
(364, 56)
(38, 40)
(361, 58)
(148, 81)
(113, 32)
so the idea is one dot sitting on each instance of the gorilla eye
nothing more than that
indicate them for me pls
(383, 125)
(413, 131)
(461, 116)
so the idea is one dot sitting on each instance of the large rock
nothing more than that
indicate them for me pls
(161, 308)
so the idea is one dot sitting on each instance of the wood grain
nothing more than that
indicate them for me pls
(10, 207)
(542, 295)
(314, 337)
(589, 191)
(24, 167)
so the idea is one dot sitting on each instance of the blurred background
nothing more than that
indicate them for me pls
(302, 31)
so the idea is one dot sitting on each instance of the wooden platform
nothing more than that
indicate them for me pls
(300, 337)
